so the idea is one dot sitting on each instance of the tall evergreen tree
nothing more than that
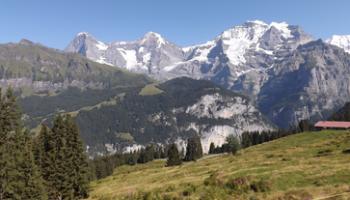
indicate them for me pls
(174, 157)
(19, 176)
(78, 158)
(212, 148)
(194, 149)
(62, 159)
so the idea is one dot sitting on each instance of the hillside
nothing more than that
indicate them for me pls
(310, 165)
(169, 112)
(34, 68)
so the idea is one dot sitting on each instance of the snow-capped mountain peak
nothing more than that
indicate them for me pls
(153, 38)
(239, 38)
(83, 34)
(257, 22)
(254, 45)
(342, 41)
(283, 27)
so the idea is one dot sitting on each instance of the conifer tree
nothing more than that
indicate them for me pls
(174, 157)
(62, 159)
(19, 176)
(212, 148)
(78, 160)
(194, 149)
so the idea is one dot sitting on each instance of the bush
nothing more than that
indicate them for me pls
(233, 144)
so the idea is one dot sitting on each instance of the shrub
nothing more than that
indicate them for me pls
(233, 144)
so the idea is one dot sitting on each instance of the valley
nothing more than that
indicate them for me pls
(175, 100)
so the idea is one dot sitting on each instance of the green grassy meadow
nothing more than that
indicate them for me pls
(311, 165)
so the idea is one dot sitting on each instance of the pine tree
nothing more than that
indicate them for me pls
(19, 176)
(78, 158)
(194, 149)
(212, 148)
(174, 157)
(34, 188)
(60, 154)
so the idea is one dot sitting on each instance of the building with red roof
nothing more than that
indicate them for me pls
(332, 125)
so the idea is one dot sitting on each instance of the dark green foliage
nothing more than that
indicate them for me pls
(194, 149)
(305, 125)
(104, 166)
(19, 176)
(174, 157)
(254, 138)
(342, 114)
(233, 144)
(149, 118)
(147, 154)
(212, 148)
(62, 160)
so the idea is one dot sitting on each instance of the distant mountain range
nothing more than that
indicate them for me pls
(251, 77)
(288, 74)
(117, 109)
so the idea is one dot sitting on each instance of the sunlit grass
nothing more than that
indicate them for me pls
(299, 165)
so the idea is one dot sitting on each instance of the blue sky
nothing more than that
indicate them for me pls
(184, 22)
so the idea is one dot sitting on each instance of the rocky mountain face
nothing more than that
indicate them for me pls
(249, 47)
(33, 68)
(312, 82)
(120, 110)
(146, 55)
(174, 111)
(286, 74)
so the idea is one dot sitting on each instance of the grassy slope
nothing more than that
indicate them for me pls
(150, 89)
(303, 165)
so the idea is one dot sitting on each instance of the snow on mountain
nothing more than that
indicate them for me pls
(145, 55)
(237, 50)
(342, 41)
(238, 39)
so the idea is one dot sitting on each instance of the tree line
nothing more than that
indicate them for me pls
(51, 165)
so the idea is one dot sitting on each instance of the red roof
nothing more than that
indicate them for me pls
(332, 124)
